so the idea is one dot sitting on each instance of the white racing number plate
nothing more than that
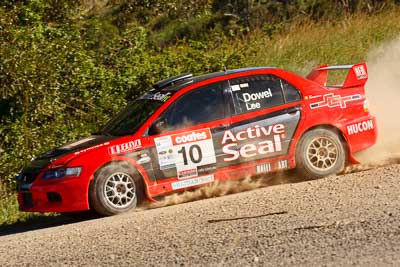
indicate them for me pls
(186, 152)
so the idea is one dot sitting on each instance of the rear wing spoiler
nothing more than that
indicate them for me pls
(357, 74)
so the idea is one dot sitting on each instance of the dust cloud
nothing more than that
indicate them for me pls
(383, 92)
(223, 188)
(215, 189)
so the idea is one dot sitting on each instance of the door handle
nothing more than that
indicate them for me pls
(222, 127)
(293, 110)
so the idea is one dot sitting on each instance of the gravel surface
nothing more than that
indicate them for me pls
(352, 219)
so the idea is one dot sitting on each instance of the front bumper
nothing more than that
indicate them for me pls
(64, 195)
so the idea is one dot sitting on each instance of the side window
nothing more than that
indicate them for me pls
(252, 93)
(291, 93)
(198, 106)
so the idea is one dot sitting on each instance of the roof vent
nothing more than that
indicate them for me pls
(173, 80)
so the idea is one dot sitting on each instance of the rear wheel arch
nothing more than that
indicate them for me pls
(329, 127)
(327, 133)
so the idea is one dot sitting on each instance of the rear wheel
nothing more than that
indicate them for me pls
(116, 188)
(320, 153)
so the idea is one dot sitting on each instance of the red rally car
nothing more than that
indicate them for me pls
(190, 131)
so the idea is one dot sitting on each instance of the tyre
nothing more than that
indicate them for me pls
(320, 153)
(116, 189)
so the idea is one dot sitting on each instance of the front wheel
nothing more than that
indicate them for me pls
(116, 188)
(320, 153)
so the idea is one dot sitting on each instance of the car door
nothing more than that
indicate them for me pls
(187, 145)
(266, 114)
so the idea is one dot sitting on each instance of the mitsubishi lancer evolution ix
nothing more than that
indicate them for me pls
(190, 131)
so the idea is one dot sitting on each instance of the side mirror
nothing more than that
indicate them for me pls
(158, 126)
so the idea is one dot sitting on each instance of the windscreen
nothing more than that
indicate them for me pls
(132, 117)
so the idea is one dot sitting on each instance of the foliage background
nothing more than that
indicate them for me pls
(67, 66)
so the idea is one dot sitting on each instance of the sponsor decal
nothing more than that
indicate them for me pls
(274, 166)
(144, 158)
(188, 173)
(251, 97)
(186, 151)
(276, 133)
(237, 87)
(192, 182)
(360, 72)
(206, 169)
(165, 152)
(360, 127)
(283, 164)
(125, 147)
(189, 137)
(157, 96)
(331, 100)
(90, 148)
(264, 168)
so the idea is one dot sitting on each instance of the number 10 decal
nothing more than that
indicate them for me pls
(186, 152)
(194, 159)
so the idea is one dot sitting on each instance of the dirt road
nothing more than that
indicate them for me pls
(345, 220)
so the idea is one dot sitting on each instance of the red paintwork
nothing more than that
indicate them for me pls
(74, 190)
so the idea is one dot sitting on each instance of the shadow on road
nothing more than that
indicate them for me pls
(41, 222)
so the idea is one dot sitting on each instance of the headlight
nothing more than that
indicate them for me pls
(61, 173)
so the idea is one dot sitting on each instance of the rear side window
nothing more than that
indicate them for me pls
(198, 106)
(257, 92)
(291, 93)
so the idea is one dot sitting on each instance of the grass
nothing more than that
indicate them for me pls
(9, 212)
(299, 48)
(303, 46)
